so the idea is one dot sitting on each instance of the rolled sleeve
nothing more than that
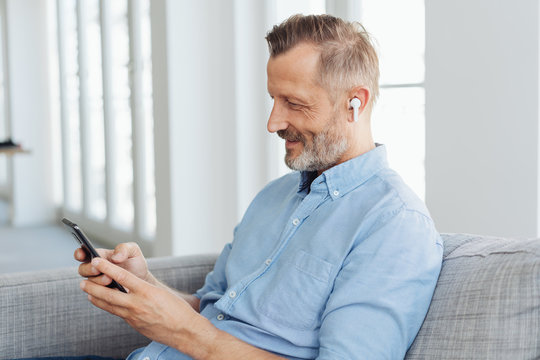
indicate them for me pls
(383, 290)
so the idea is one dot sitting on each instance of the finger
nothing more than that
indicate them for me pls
(111, 296)
(115, 310)
(87, 270)
(104, 253)
(79, 255)
(124, 251)
(123, 277)
(103, 280)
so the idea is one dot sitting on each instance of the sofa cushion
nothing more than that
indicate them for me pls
(45, 313)
(487, 301)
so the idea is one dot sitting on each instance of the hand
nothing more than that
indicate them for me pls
(154, 312)
(163, 317)
(126, 255)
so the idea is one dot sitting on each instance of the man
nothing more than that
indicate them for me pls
(338, 260)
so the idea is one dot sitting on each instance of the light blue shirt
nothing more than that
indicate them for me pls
(342, 266)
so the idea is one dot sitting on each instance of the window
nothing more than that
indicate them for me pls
(107, 117)
(69, 88)
(398, 119)
(91, 108)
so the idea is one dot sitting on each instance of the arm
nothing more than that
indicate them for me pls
(164, 317)
(193, 301)
(383, 290)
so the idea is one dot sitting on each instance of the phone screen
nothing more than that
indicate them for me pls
(87, 246)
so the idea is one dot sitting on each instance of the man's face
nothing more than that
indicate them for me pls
(303, 114)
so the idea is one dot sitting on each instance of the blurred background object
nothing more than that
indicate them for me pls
(112, 99)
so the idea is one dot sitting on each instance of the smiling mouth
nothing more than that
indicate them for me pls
(291, 138)
(289, 144)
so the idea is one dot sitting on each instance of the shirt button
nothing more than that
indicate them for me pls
(146, 358)
(219, 317)
(336, 193)
(232, 294)
(296, 222)
(268, 261)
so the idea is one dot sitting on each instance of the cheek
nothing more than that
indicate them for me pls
(307, 121)
(310, 122)
(310, 116)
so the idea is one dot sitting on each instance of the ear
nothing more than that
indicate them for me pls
(362, 94)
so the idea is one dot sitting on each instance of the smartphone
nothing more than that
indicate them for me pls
(87, 247)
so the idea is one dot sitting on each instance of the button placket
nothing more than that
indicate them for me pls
(302, 211)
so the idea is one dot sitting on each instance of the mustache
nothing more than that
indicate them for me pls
(291, 135)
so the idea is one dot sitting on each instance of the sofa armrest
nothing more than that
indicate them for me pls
(46, 314)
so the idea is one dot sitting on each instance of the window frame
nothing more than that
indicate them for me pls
(105, 230)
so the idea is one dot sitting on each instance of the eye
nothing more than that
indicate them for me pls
(293, 105)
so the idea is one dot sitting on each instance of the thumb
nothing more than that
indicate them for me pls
(119, 255)
(123, 252)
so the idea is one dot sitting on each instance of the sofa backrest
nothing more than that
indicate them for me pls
(487, 301)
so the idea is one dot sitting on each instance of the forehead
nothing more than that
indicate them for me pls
(295, 70)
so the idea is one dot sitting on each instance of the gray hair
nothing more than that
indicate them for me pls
(347, 59)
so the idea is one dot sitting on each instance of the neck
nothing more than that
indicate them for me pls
(359, 138)
(355, 150)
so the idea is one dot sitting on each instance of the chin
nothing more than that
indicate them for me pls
(291, 155)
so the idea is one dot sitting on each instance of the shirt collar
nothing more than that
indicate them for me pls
(342, 178)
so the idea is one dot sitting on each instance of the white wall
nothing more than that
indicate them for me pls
(213, 153)
(32, 185)
(482, 92)
(200, 137)
(212, 149)
(255, 149)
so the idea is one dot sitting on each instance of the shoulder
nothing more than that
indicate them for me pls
(392, 204)
(392, 195)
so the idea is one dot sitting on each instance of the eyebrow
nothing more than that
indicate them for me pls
(291, 97)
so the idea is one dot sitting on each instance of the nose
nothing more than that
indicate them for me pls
(277, 121)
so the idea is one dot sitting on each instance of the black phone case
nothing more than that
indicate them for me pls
(87, 246)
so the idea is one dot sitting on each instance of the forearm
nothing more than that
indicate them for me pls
(203, 340)
(193, 301)
(166, 316)
(207, 342)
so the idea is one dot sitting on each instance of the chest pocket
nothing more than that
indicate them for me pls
(298, 293)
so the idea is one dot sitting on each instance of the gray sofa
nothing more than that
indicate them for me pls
(486, 306)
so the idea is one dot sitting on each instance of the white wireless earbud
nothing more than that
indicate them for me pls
(355, 105)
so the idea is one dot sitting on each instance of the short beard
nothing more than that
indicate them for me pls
(325, 150)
